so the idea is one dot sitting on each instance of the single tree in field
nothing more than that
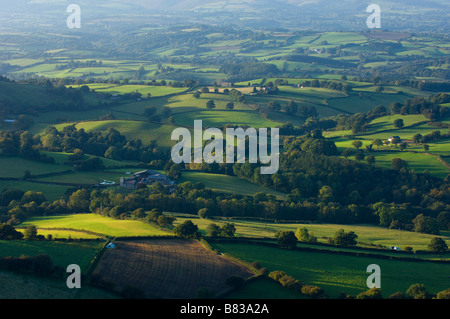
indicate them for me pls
(341, 238)
(357, 144)
(426, 147)
(30, 233)
(398, 163)
(417, 291)
(437, 245)
(370, 160)
(403, 145)
(229, 106)
(187, 229)
(210, 104)
(286, 239)
(359, 156)
(304, 235)
(377, 142)
(417, 138)
(398, 123)
(197, 94)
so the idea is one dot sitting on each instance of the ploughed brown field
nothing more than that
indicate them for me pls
(167, 268)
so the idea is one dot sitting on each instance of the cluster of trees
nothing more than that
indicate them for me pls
(304, 111)
(79, 64)
(22, 144)
(430, 107)
(111, 144)
(332, 85)
(245, 71)
(288, 239)
(290, 282)
(39, 265)
(415, 291)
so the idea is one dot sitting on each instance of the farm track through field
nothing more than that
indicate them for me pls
(169, 269)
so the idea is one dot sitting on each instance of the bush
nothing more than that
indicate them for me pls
(445, 294)
(277, 275)
(263, 271)
(312, 291)
(288, 281)
(372, 293)
(418, 291)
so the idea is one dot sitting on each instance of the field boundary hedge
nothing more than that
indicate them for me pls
(326, 251)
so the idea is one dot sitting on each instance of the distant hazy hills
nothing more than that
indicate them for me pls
(429, 15)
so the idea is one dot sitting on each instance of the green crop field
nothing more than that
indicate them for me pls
(96, 223)
(18, 286)
(145, 131)
(264, 289)
(339, 273)
(367, 234)
(61, 253)
(143, 89)
(217, 118)
(14, 167)
(50, 191)
(227, 183)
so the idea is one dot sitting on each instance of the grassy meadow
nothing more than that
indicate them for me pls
(95, 223)
(340, 273)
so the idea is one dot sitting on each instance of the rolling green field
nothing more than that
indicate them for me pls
(339, 273)
(61, 253)
(227, 183)
(217, 118)
(96, 223)
(145, 131)
(17, 286)
(14, 167)
(367, 234)
(143, 89)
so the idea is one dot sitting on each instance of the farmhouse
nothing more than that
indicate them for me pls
(145, 178)
(395, 139)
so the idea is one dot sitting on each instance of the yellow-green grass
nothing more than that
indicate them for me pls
(368, 100)
(340, 273)
(368, 234)
(96, 223)
(337, 38)
(419, 162)
(61, 253)
(218, 118)
(62, 157)
(321, 93)
(387, 122)
(131, 88)
(229, 184)
(145, 131)
(406, 133)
